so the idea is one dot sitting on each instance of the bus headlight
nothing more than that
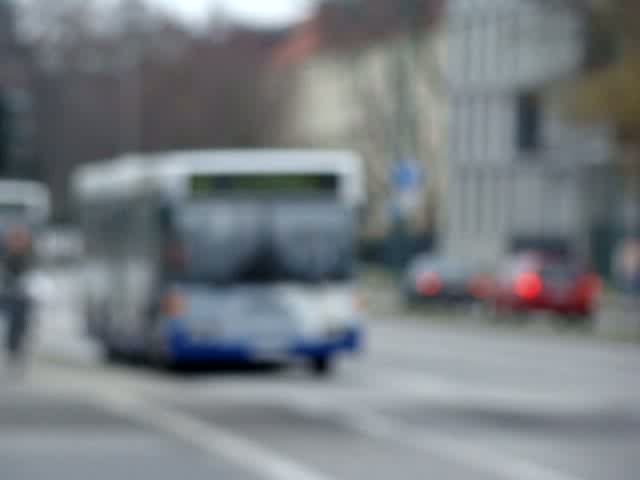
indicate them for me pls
(174, 304)
(360, 303)
(337, 332)
(342, 308)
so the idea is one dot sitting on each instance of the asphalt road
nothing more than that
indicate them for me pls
(424, 401)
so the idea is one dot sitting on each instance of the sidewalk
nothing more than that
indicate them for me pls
(618, 320)
(59, 330)
(620, 317)
(381, 291)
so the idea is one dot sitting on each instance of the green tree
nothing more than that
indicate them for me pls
(610, 92)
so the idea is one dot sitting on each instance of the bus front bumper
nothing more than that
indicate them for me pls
(185, 348)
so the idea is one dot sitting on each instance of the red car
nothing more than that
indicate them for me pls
(538, 282)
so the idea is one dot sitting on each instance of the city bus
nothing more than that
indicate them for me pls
(23, 203)
(215, 256)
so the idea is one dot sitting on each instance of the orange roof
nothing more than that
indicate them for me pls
(303, 43)
(331, 26)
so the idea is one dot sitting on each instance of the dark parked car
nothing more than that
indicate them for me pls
(549, 283)
(441, 280)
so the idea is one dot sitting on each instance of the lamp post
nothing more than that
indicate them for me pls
(405, 175)
(130, 84)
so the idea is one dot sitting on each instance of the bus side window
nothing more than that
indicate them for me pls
(165, 221)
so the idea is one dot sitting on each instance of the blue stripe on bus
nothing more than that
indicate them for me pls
(183, 349)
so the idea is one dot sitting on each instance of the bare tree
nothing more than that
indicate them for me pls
(609, 90)
(127, 78)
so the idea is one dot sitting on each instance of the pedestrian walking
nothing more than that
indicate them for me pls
(15, 298)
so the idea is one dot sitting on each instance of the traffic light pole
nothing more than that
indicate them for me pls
(406, 128)
(4, 134)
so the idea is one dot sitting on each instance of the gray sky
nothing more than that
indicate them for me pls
(262, 12)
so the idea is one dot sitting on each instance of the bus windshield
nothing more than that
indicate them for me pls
(12, 211)
(207, 186)
(250, 242)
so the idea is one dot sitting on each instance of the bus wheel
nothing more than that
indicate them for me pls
(156, 353)
(321, 367)
(112, 355)
(159, 359)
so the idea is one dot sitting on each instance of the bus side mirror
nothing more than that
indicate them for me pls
(164, 218)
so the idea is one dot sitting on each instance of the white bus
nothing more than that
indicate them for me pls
(223, 255)
(23, 203)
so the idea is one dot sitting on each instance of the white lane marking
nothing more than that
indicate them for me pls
(268, 464)
(217, 441)
(394, 387)
(501, 465)
(209, 438)
(377, 387)
(455, 394)
(76, 441)
(571, 359)
(366, 422)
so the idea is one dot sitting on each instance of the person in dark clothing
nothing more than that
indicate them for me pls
(15, 300)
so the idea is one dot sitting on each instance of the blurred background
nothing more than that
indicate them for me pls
(496, 275)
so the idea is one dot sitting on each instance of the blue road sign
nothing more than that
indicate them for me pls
(408, 175)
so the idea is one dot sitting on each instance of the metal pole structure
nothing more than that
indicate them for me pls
(403, 122)
(131, 98)
(136, 101)
(405, 142)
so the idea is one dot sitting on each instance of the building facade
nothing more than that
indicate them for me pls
(375, 91)
(516, 169)
(17, 122)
